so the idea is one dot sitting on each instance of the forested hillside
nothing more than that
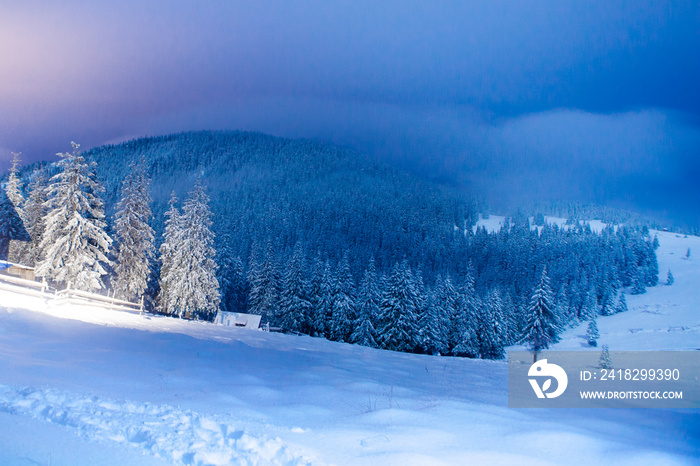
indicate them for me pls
(262, 188)
(320, 240)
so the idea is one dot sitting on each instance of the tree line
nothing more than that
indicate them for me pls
(481, 291)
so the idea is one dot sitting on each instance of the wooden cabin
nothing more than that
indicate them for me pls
(237, 319)
(17, 270)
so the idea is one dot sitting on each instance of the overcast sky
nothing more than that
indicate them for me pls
(549, 100)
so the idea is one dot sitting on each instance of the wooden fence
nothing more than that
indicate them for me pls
(67, 296)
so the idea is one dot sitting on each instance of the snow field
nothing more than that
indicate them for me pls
(181, 436)
(157, 390)
(663, 318)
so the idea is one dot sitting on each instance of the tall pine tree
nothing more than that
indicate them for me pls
(13, 189)
(343, 313)
(198, 286)
(75, 244)
(34, 218)
(169, 258)
(189, 287)
(364, 331)
(541, 328)
(294, 306)
(399, 309)
(134, 235)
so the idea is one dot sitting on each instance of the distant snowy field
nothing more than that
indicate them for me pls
(664, 318)
(83, 386)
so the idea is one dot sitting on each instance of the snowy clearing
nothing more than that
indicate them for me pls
(81, 385)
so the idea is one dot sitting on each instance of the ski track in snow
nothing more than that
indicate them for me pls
(181, 436)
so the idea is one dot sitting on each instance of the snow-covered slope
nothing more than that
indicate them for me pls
(665, 317)
(89, 386)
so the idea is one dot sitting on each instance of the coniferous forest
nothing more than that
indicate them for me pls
(317, 239)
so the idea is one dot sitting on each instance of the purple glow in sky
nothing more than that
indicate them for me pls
(587, 100)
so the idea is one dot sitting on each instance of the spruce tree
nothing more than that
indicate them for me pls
(13, 190)
(436, 320)
(589, 310)
(605, 362)
(294, 305)
(621, 304)
(264, 283)
(364, 332)
(34, 213)
(607, 307)
(224, 259)
(170, 258)
(430, 336)
(541, 328)
(669, 278)
(270, 291)
(491, 332)
(75, 244)
(399, 311)
(321, 298)
(638, 281)
(592, 333)
(189, 287)
(463, 339)
(238, 286)
(232, 281)
(256, 282)
(343, 313)
(135, 250)
(197, 284)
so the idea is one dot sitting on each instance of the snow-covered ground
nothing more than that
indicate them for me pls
(495, 222)
(90, 386)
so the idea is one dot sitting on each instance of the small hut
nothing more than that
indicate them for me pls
(17, 270)
(237, 319)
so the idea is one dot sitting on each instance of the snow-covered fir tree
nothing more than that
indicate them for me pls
(294, 305)
(669, 278)
(491, 331)
(463, 339)
(638, 281)
(621, 303)
(196, 283)
(592, 333)
(75, 244)
(13, 189)
(436, 319)
(134, 235)
(188, 284)
(430, 337)
(343, 313)
(605, 362)
(563, 307)
(34, 213)
(321, 298)
(264, 283)
(399, 309)
(255, 280)
(542, 327)
(169, 258)
(607, 306)
(233, 286)
(367, 306)
(589, 310)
